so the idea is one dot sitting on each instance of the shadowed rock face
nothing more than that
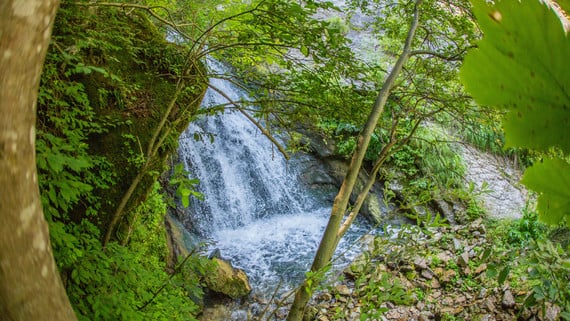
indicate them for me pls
(503, 198)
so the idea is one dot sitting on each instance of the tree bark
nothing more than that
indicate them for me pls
(30, 286)
(330, 238)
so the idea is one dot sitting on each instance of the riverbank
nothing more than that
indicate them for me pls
(463, 272)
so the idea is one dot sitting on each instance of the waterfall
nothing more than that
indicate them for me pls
(255, 210)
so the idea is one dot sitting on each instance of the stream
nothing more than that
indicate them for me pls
(256, 211)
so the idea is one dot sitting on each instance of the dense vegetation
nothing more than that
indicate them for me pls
(108, 79)
(115, 94)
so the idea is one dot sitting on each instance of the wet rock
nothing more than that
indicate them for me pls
(216, 253)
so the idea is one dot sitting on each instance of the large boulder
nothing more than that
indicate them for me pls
(227, 280)
(223, 279)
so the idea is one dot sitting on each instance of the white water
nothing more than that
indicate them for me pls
(256, 211)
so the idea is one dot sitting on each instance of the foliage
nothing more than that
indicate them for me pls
(314, 279)
(383, 289)
(526, 230)
(519, 67)
(107, 79)
(345, 135)
(551, 179)
(68, 172)
(524, 255)
(185, 187)
(487, 137)
(123, 283)
(551, 272)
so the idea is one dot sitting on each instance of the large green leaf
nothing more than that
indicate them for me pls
(551, 178)
(565, 4)
(522, 65)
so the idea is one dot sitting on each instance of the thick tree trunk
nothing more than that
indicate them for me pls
(30, 287)
(330, 238)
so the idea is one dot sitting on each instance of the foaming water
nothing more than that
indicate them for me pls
(279, 248)
(256, 211)
(273, 248)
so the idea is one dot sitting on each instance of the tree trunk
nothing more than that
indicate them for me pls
(30, 286)
(330, 238)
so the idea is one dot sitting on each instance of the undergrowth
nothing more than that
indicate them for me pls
(107, 79)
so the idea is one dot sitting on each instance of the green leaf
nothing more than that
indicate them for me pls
(551, 180)
(503, 275)
(185, 197)
(77, 164)
(305, 50)
(521, 66)
(565, 4)
(56, 162)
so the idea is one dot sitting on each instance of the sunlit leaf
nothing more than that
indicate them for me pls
(551, 180)
(565, 4)
(521, 66)
(305, 51)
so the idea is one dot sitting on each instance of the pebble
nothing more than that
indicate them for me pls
(343, 290)
(463, 259)
(427, 274)
(508, 300)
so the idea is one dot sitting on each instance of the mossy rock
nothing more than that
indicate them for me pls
(227, 280)
(131, 96)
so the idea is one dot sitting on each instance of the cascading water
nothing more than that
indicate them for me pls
(255, 210)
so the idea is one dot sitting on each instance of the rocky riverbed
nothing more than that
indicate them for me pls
(438, 273)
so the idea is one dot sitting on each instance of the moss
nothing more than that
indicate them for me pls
(132, 95)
